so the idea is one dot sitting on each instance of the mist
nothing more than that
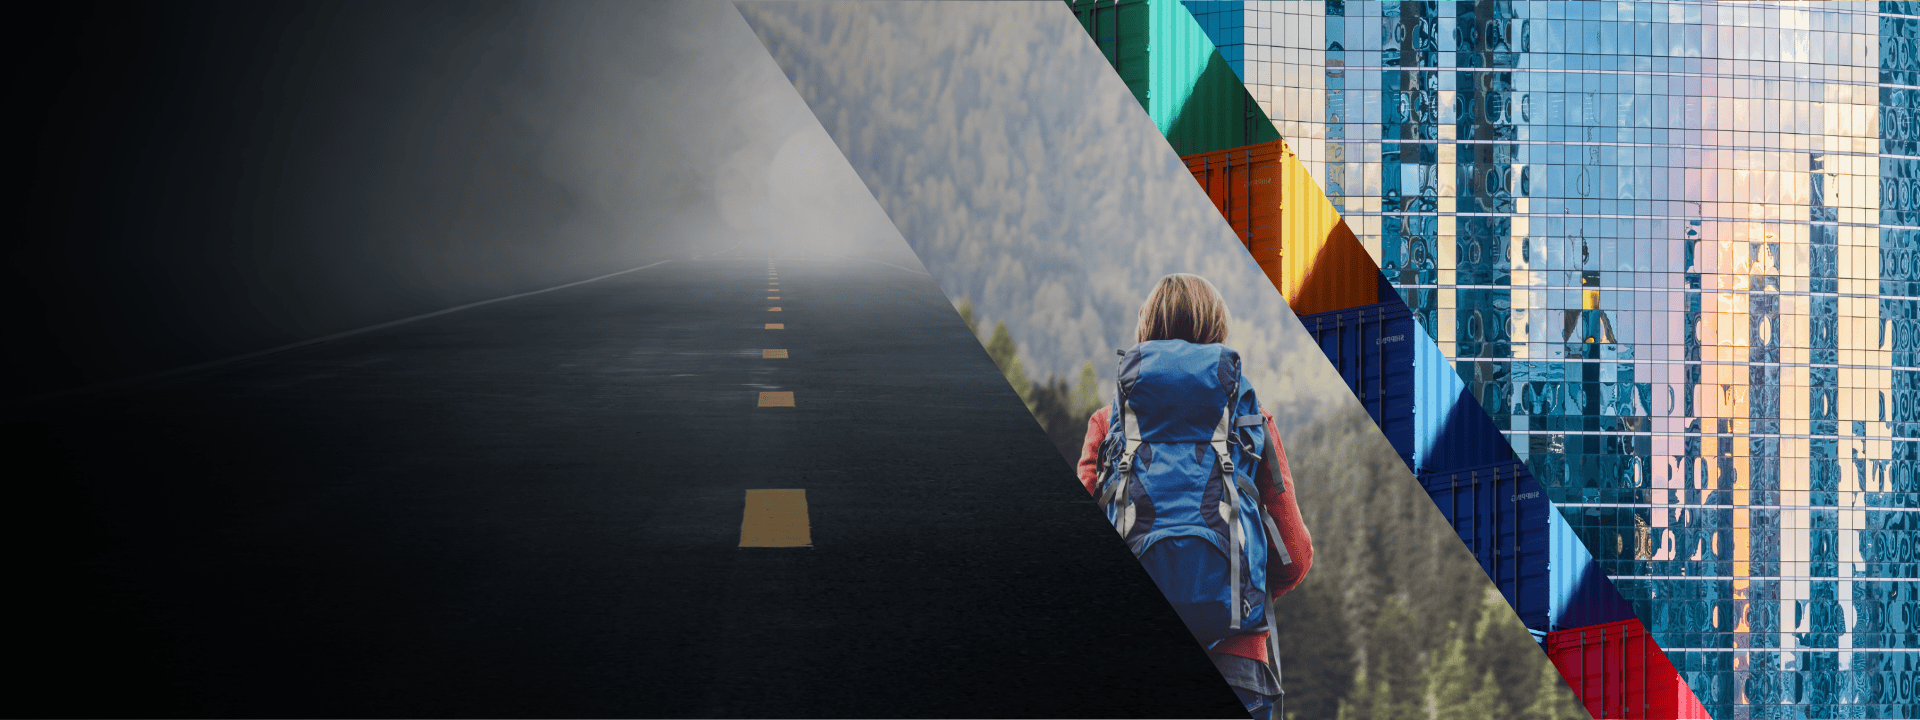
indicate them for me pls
(218, 179)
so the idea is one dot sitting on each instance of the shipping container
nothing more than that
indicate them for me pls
(1410, 391)
(1372, 348)
(1408, 386)
(1176, 73)
(1582, 593)
(1244, 185)
(1505, 520)
(1291, 229)
(1618, 671)
(1526, 546)
(1326, 266)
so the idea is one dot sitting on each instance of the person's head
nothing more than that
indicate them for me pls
(1184, 307)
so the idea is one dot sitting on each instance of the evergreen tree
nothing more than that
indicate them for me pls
(1487, 701)
(1449, 680)
(1501, 645)
(1396, 652)
(1316, 650)
(1050, 402)
(1007, 357)
(1357, 704)
(1380, 705)
(1061, 410)
(1553, 699)
(1086, 395)
(966, 316)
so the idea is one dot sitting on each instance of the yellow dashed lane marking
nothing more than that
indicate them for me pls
(776, 518)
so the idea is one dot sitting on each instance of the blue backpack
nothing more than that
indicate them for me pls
(1176, 479)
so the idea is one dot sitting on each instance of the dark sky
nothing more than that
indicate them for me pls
(215, 178)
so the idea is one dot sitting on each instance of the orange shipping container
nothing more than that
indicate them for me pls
(1244, 184)
(1289, 227)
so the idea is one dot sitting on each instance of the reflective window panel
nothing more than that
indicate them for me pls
(1674, 248)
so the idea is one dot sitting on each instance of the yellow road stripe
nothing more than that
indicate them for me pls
(773, 297)
(776, 326)
(773, 354)
(776, 399)
(773, 309)
(776, 518)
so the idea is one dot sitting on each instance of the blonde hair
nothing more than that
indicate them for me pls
(1186, 307)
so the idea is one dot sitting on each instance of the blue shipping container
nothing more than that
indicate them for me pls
(1583, 594)
(1371, 346)
(1504, 519)
(1526, 546)
(1466, 465)
(1408, 386)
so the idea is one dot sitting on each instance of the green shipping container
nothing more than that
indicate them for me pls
(1176, 74)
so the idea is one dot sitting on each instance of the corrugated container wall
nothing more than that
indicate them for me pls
(1430, 418)
(1288, 225)
(1372, 348)
(1176, 73)
(1451, 430)
(1582, 593)
(1410, 390)
(1503, 518)
(1244, 185)
(1619, 672)
(1403, 379)
(1326, 266)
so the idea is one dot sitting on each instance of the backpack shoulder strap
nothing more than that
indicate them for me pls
(1270, 461)
(1115, 490)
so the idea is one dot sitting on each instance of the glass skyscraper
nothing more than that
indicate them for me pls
(1674, 248)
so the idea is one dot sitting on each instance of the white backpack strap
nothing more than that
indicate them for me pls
(1116, 490)
(1130, 425)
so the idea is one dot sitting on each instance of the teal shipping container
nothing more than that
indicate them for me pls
(1176, 73)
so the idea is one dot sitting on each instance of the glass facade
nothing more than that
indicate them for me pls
(1674, 248)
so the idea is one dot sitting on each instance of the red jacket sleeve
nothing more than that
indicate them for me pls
(1283, 506)
(1090, 450)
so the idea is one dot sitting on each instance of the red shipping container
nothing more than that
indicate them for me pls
(1620, 672)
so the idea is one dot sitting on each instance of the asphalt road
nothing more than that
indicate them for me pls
(533, 508)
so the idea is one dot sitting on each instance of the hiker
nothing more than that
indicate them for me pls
(1183, 389)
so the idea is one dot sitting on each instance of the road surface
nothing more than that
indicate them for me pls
(534, 508)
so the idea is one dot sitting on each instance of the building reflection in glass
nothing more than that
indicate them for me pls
(1674, 247)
